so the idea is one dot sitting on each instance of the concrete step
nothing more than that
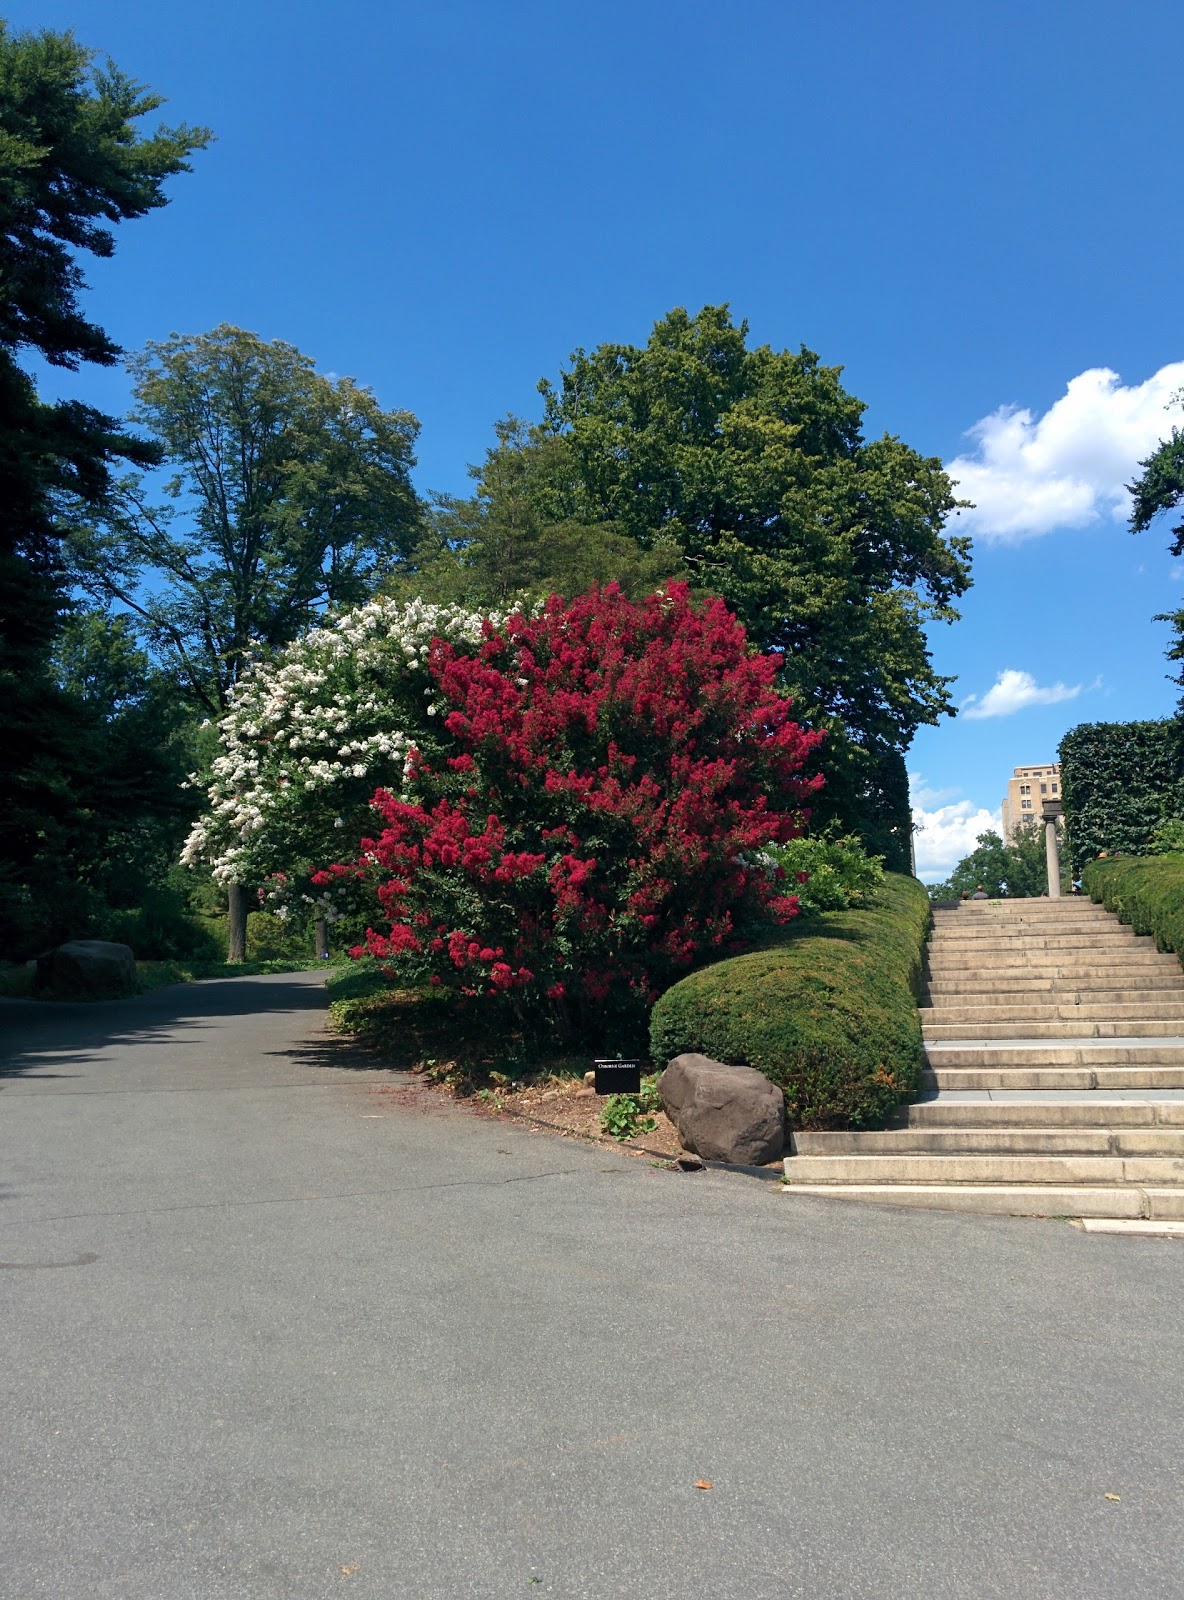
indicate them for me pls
(1060, 1078)
(1023, 1170)
(1027, 911)
(996, 1141)
(1138, 1225)
(1021, 981)
(1016, 905)
(1046, 964)
(1110, 941)
(1094, 1109)
(1013, 1200)
(1133, 1007)
(1040, 927)
(1048, 991)
(1085, 1028)
(1017, 1053)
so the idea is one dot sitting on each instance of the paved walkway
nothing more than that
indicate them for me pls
(273, 1330)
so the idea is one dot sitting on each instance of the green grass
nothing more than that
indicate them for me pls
(1146, 891)
(828, 1012)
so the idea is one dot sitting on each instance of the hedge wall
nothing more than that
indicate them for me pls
(828, 1013)
(1147, 892)
(1119, 780)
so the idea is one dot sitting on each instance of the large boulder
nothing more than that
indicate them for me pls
(87, 969)
(724, 1113)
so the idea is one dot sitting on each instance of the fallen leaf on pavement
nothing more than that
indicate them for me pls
(1113, 1497)
(704, 1483)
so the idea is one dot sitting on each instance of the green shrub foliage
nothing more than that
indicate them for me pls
(1119, 782)
(829, 1012)
(838, 871)
(1147, 892)
(1168, 838)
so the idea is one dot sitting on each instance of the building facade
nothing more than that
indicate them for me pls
(1027, 791)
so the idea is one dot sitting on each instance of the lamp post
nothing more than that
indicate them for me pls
(1052, 811)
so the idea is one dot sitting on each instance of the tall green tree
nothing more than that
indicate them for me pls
(1018, 869)
(289, 493)
(508, 541)
(1159, 488)
(752, 463)
(136, 809)
(73, 164)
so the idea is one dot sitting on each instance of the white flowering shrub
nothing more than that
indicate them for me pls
(308, 738)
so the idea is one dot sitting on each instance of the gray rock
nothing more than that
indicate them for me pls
(87, 969)
(724, 1113)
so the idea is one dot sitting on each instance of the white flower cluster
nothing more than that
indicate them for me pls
(310, 734)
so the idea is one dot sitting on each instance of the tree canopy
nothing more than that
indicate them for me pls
(290, 494)
(1159, 488)
(504, 543)
(73, 164)
(751, 466)
(1018, 869)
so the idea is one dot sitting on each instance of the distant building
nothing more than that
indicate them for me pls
(1027, 791)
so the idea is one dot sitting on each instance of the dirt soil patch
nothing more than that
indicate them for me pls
(562, 1106)
(572, 1109)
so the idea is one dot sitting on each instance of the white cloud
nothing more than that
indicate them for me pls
(922, 795)
(1029, 475)
(944, 835)
(1013, 690)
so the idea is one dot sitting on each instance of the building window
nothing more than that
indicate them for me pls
(1044, 788)
(1054, 788)
(1025, 788)
(1025, 805)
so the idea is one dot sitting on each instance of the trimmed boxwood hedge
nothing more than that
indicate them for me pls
(1146, 891)
(829, 1013)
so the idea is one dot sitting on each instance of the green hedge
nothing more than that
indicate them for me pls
(1119, 780)
(829, 1013)
(1146, 891)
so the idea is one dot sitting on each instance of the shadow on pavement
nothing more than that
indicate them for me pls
(36, 1035)
(338, 1050)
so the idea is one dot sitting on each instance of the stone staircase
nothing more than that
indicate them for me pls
(1054, 1077)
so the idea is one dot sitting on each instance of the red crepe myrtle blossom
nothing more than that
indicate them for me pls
(617, 769)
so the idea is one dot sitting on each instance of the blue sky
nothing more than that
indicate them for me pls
(973, 208)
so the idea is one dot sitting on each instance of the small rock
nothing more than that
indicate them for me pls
(724, 1113)
(590, 1079)
(687, 1161)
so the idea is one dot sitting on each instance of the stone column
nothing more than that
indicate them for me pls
(1053, 854)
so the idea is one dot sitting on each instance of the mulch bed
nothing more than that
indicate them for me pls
(571, 1109)
(562, 1106)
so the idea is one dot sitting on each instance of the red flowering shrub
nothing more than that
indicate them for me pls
(595, 824)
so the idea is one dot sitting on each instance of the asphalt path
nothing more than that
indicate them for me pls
(275, 1324)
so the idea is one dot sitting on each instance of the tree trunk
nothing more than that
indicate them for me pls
(236, 942)
(322, 939)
